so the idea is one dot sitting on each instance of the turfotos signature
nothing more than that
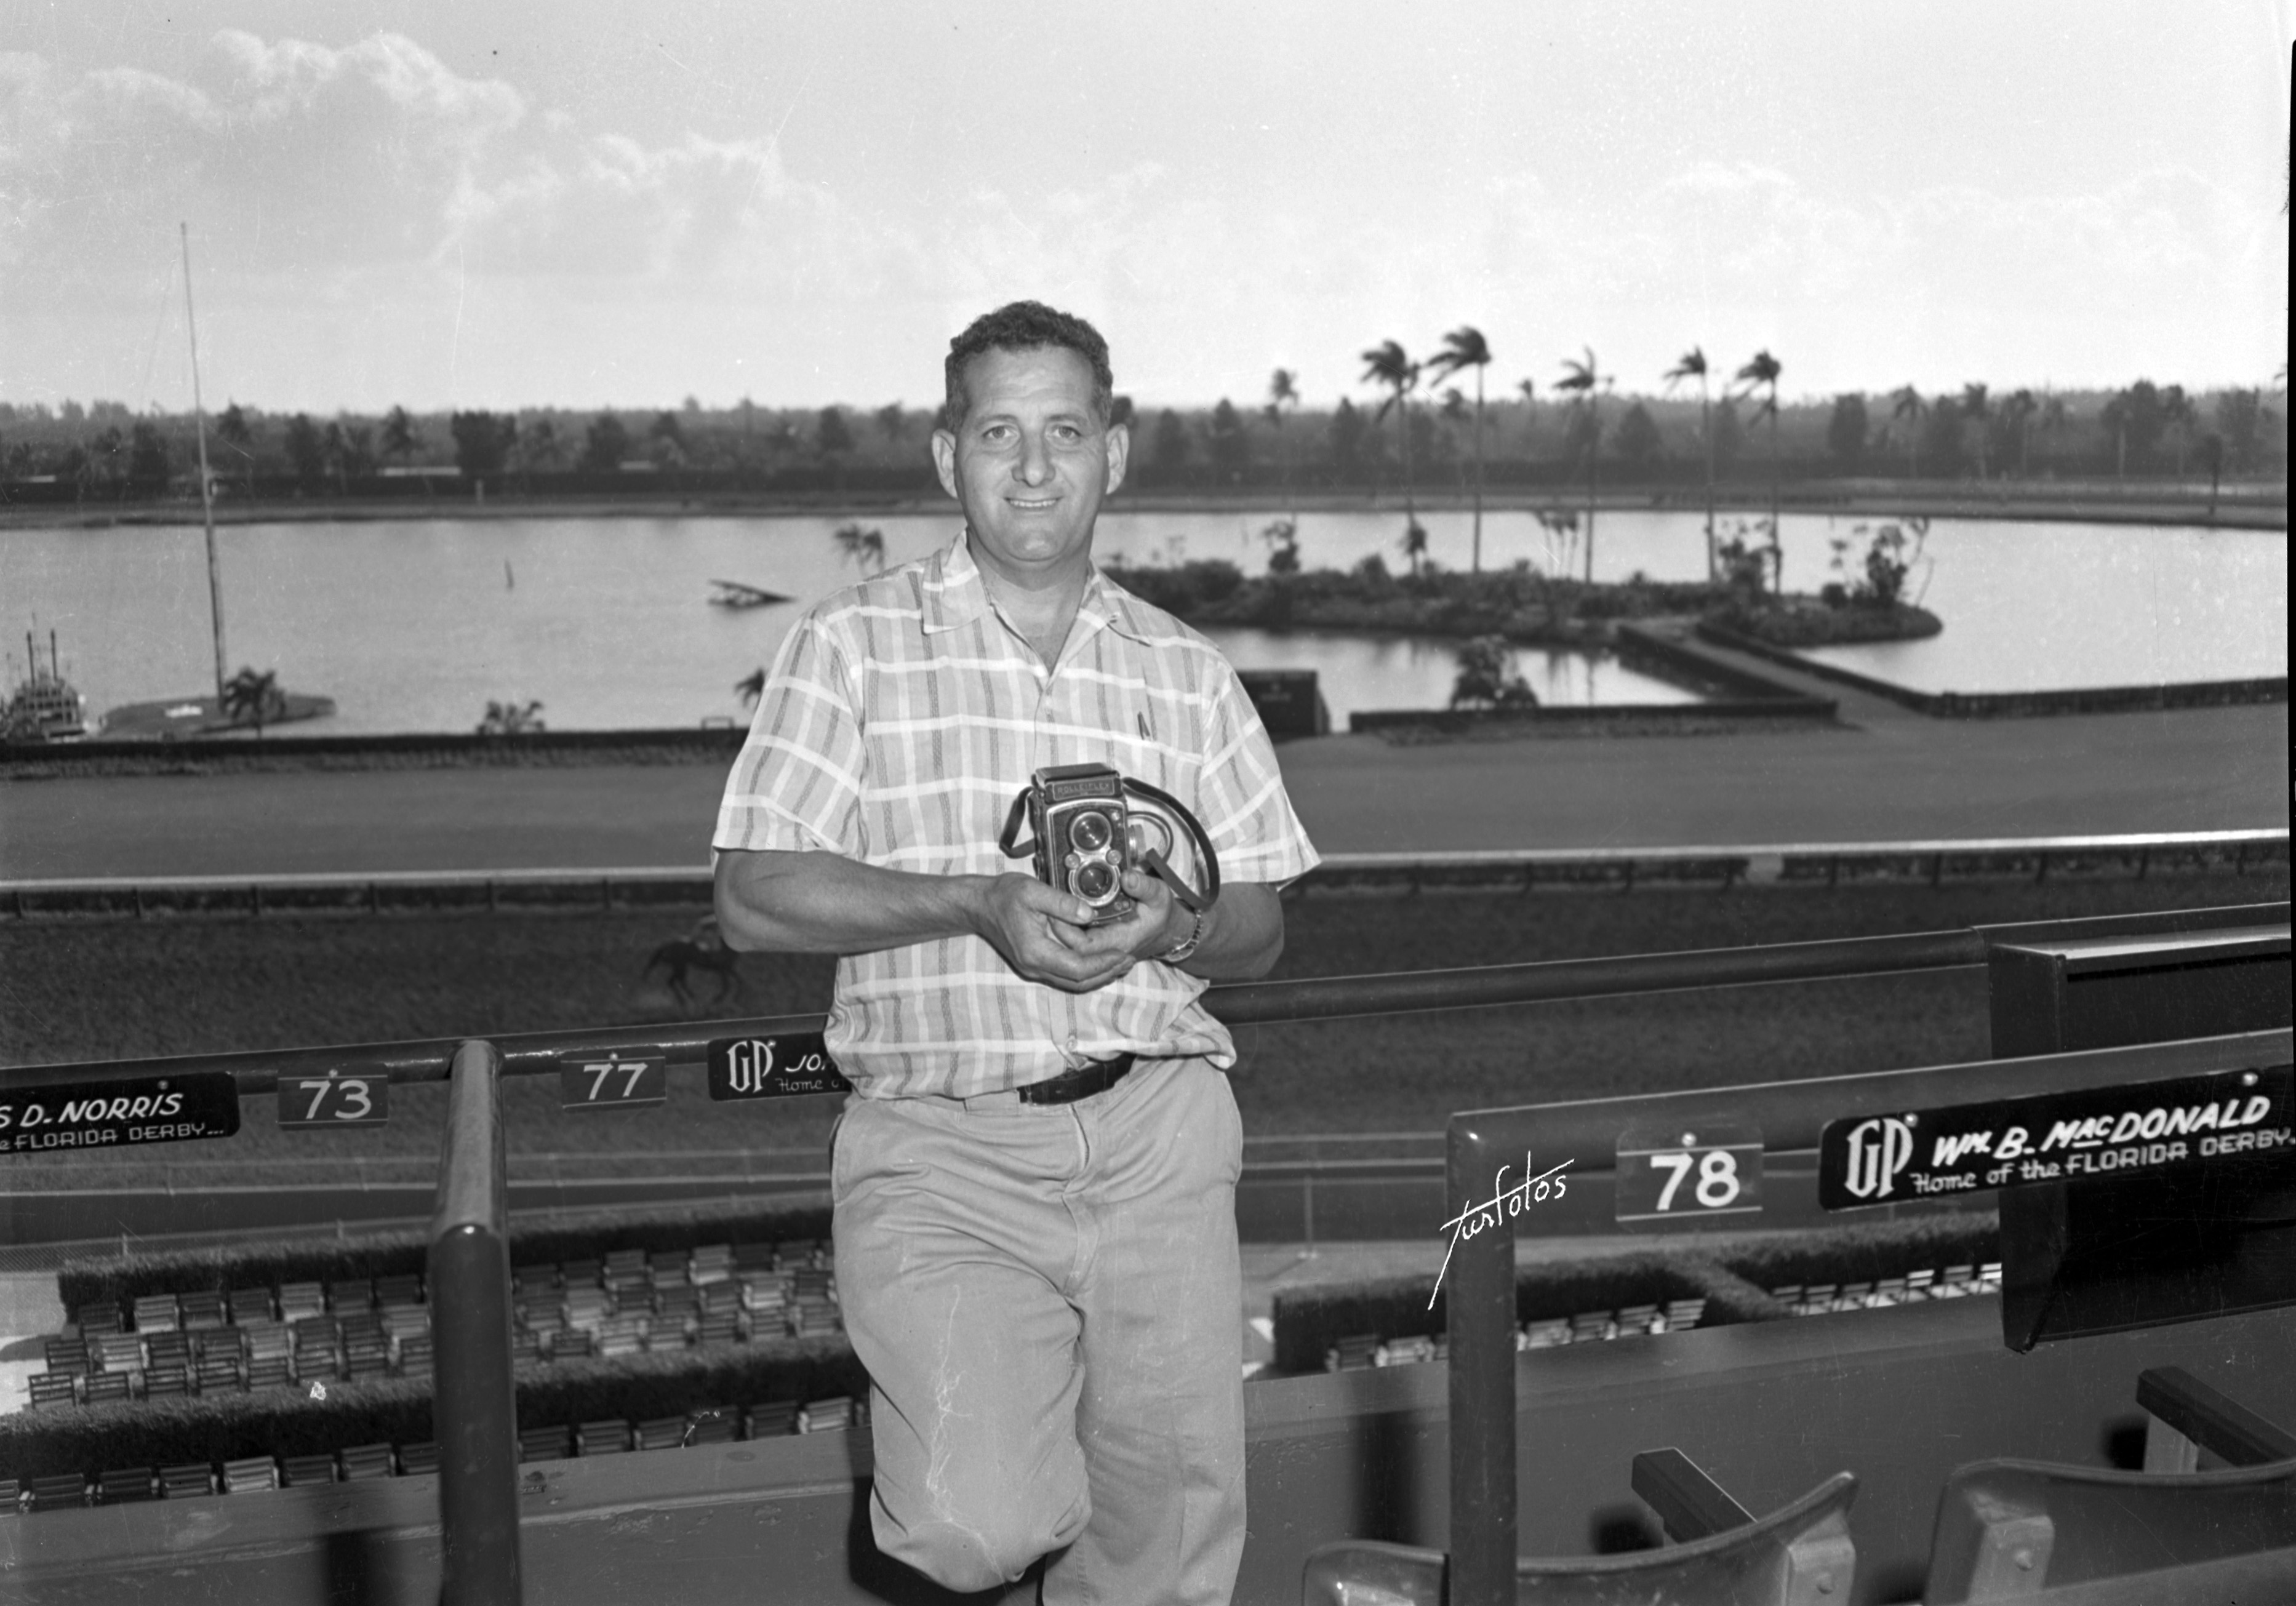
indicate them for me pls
(1549, 1183)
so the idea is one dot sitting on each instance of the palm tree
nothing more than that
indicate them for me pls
(1691, 365)
(1977, 408)
(2017, 414)
(511, 718)
(1283, 396)
(1763, 370)
(2054, 420)
(752, 687)
(233, 430)
(1906, 406)
(1465, 347)
(862, 548)
(1386, 364)
(1581, 378)
(2178, 410)
(1413, 544)
(253, 697)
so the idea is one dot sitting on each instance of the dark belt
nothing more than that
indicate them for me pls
(1081, 1083)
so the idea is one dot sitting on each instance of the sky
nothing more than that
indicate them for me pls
(494, 203)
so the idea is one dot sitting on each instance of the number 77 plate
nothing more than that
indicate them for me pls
(1680, 1175)
(610, 1081)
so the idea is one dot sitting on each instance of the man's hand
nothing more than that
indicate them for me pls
(1048, 936)
(820, 903)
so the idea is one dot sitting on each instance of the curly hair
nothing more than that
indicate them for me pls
(1027, 326)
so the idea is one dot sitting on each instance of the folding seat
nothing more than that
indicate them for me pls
(662, 1433)
(2029, 1530)
(301, 1471)
(711, 1425)
(364, 1462)
(126, 1486)
(55, 1492)
(1719, 1553)
(188, 1480)
(299, 1300)
(545, 1444)
(249, 1475)
(772, 1420)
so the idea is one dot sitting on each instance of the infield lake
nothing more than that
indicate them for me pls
(415, 625)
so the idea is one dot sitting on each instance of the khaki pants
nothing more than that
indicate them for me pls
(1048, 1299)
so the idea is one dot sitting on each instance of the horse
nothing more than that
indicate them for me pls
(703, 951)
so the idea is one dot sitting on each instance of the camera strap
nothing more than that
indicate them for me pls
(1010, 843)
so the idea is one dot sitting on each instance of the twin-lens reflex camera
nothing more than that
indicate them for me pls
(1088, 823)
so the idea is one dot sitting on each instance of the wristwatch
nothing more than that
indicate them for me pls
(1188, 945)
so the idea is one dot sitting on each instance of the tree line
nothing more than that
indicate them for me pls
(1433, 427)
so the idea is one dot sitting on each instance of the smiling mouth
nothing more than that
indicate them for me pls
(1032, 504)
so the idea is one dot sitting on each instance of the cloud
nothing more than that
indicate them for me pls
(370, 226)
(291, 157)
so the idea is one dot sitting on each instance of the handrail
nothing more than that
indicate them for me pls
(1259, 1003)
(1332, 864)
(474, 1401)
(1480, 1274)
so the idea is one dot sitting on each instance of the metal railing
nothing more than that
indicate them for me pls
(1481, 1276)
(1259, 1003)
(474, 1400)
(1934, 860)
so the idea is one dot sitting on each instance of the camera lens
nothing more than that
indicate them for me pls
(1089, 832)
(1094, 881)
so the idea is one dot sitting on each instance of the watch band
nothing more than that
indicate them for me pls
(1186, 947)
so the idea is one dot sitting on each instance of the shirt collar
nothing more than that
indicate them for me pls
(955, 594)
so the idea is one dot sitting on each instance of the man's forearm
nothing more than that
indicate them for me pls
(822, 903)
(1244, 935)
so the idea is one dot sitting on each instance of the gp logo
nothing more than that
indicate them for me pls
(1879, 1149)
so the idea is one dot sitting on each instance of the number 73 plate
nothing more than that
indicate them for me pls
(1679, 1175)
(353, 1095)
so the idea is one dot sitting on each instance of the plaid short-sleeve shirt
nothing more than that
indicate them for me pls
(900, 720)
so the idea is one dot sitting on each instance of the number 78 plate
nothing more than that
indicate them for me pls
(1683, 1174)
(610, 1082)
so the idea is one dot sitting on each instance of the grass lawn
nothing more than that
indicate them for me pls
(116, 989)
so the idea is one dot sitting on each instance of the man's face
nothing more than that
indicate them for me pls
(1030, 461)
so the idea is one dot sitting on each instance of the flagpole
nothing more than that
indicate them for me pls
(207, 489)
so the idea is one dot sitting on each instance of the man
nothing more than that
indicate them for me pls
(1033, 1181)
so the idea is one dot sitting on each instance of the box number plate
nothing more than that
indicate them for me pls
(352, 1096)
(1684, 1174)
(610, 1082)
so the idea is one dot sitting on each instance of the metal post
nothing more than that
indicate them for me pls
(474, 1401)
(1480, 1321)
(207, 484)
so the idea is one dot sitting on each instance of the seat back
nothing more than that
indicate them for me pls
(1800, 1555)
(2009, 1529)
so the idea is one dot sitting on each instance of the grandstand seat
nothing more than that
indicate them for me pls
(2018, 1530)
(1796, 1556)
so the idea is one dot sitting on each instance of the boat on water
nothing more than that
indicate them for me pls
(733, 593)
(43, 706)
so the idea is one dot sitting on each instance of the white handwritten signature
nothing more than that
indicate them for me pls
(1476, 1217)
